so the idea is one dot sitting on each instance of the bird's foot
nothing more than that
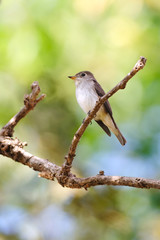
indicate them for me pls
(89, 112)
(84, 120)
(88, 115)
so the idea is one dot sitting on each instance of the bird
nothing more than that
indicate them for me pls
(88, 92)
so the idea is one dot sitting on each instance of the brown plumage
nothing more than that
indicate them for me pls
(88, 91)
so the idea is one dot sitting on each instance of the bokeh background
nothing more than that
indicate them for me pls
(46, 41)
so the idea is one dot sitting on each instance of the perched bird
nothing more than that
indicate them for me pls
(88, 91)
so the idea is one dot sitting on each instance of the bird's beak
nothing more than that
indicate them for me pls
(72, 77)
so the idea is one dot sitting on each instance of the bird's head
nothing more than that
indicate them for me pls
(82, 77)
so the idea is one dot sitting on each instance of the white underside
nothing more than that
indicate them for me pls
(87, 98)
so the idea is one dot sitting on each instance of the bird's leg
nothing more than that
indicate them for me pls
(83, 120)
(89, 112)
(88, 115)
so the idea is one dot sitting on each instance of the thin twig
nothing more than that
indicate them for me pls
(30, 101)
(121, 85)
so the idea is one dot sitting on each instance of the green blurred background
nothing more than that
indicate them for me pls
(46, 41)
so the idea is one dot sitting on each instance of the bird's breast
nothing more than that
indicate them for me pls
(86, 97)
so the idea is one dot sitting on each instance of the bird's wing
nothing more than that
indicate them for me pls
(104, 127)
(107, 105)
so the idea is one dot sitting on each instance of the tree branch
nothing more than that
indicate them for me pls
(13, 148)
(30, 101)
(121, 85)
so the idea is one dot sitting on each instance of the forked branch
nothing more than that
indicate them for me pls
(13, 148)
(30, 101)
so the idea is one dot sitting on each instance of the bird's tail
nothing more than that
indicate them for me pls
(120, 137)
(110, 123)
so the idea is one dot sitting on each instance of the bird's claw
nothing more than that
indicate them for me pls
(88, 115)
(88, 112)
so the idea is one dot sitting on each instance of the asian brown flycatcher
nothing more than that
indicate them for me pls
(88, 91)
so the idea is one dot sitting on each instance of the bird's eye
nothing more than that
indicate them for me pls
(83, 74)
